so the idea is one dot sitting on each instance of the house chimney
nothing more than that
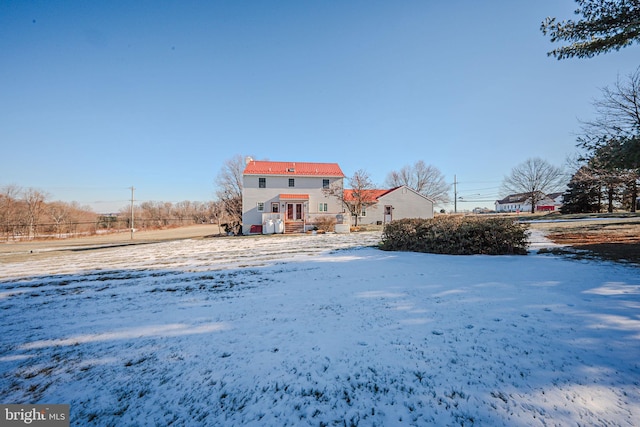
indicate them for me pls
(248, 160)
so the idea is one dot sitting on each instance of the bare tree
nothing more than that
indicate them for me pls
(425, 179)
(360, 195)
(201, 212)
(183, 210)
(612, 140)
(229, 182)
(9, 208)
(34, 201)
(535, 178)
(618, 119)
(60, 215)
(217, 213)
(356, 198)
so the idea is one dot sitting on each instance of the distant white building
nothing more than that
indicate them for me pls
(521, 202)
(551, 203)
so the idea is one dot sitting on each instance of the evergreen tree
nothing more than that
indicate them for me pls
(605, 25)
(612, 140)
(582, 194)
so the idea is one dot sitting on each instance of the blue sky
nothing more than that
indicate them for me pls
(98, 96)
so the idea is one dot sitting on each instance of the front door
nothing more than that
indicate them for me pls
(388, 214)
(294, 212)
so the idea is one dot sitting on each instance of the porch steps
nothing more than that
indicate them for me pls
(293, 227)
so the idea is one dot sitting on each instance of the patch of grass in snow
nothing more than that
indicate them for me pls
(208, 282)
(138, 361)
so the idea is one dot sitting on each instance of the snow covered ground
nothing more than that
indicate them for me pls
(321, 330)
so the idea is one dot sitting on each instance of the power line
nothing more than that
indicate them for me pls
(482, 189)
(132, 190)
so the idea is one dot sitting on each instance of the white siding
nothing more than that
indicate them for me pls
(406, 203)
(276, 185)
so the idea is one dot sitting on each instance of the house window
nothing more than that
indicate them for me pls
(292, 182)
(323, 207)
(364, 212)
(275, 207)
(325, 183)
(262, 182)
(260, 206)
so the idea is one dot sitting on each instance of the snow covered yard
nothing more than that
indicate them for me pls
(320, 330)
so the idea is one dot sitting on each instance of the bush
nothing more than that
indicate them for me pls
(326, 223)
(456, 235)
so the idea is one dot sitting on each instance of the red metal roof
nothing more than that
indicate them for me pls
(368, 195)
(257, 167)
(295, 196)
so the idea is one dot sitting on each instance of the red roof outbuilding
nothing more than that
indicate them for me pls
(368, 195)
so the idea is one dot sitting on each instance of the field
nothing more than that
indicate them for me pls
(318, 330)
(616, 239)
(36, 249)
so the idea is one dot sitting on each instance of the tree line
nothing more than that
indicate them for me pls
(158, 214)
(27, 213)
(608, 169)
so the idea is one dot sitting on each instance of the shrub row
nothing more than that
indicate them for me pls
(456, 235)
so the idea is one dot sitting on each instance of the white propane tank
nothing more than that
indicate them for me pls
(268, 227)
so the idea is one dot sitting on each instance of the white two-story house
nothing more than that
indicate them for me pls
(291, 194)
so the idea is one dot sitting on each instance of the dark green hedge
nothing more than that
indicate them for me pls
(456, 235)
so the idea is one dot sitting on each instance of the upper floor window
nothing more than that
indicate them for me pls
(292, 182)
(260, 206)
(322, 207)
(325, 183)
(262, 182)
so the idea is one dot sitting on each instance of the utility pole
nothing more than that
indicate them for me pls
(455, 195)
(132, 189)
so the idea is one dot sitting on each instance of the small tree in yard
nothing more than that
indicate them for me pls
(229, 192)
(217, 213)
(535, 178)
(360, 196)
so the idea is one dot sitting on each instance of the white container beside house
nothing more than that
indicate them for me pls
(268, 227)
